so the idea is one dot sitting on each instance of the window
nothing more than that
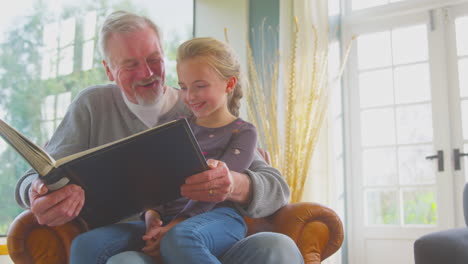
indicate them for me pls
(53, 110)
(406, 118)
(89, 40)
(396, 124)
(461, 26)
(48, 53)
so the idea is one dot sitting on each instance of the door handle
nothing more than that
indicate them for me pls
(456, 158)
(440, 159)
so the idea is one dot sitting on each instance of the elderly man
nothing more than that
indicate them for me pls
(133, 59)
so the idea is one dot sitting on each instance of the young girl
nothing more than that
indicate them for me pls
(211, 81)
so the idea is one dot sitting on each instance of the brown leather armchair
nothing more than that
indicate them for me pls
(316, 229)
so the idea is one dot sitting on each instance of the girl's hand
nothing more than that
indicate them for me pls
(153, 238)
(152, 218)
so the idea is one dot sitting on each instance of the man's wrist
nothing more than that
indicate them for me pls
(23, 189)
(242, 189)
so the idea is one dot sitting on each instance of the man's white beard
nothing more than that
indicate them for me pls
(149, 98)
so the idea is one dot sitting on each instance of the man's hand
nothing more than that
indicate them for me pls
(217, 184)
(58, 207)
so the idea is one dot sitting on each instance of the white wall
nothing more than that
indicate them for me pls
(212, 16)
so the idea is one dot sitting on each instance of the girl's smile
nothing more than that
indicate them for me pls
(196, 106)
(204, 91)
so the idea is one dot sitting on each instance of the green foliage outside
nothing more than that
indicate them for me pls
(420, 208)
(22, 90)
(383, 208)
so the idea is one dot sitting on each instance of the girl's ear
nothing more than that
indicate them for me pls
(231, 84)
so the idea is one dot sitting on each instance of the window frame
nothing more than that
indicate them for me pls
(57, 79)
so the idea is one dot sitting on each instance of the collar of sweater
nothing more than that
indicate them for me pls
(150, 114)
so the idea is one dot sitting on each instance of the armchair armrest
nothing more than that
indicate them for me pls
(316, 229)
(29, 242)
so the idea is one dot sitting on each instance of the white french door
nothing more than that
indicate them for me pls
(408, 111)
(458, 95)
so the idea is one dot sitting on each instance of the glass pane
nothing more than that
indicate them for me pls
(361, 4)
(48, 107)
(378, 127)
(382, 207)
(49, 64)
(66, 60)
(412, 83)
(3, 146)
(420, 207)
(374, 50)
(67, 32)
(461, 27)
(463, 77)
(414, 124)
(50, 36)
(63, 101)
(47, 129)
(464, 113)
(414, 168)
(379, 166)
(376, 88)
(89, 30)
(409, 44)
(88, 55)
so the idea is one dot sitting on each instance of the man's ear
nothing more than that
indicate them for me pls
(231, 84)
(109, 74)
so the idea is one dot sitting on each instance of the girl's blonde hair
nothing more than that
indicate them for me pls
(222, 58)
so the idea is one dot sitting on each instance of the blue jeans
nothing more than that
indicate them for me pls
(259, 248)
(199, 239)
(98, 245)
(203, 238)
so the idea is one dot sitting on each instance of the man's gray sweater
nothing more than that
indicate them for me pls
(99, 115)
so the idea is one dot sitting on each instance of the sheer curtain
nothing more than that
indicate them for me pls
(310, 14)
(318, 184)
(311, 53)
(289, 111)
(312, 22)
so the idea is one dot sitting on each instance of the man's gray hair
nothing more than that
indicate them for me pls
(123, 22)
